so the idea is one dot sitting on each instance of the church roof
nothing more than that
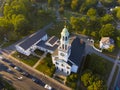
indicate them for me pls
(77, 51)
(32, 39)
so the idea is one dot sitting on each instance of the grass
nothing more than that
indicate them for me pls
(114, 76)
(29, 60)
(98, 65)
(46, 66)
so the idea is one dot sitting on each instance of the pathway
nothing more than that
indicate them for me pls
(43, 56)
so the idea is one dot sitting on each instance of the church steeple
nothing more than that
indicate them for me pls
(64, 38)
(64, 48)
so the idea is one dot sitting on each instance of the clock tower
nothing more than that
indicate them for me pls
(64, 48)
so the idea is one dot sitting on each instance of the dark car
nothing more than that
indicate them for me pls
(6, 60)
(24, 73)
(18, 68)
(12, 65)
(38, 81)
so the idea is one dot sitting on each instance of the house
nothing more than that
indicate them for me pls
(106, 42)
(68, 56)
(38, 40)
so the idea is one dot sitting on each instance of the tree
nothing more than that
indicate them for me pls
(107, 30)
(97, 85)
(61, 10)
(20, 24)
(74, 4)
(91, 12)
(107, 19)
(118, 41)
(86, 78)
(111, 48)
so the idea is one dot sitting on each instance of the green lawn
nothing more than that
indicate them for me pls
(98, 65)
(29, 60)
(46, 66)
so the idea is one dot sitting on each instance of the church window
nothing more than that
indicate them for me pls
(62, 65)
(67, 72)
(65, 38)
(56, 63)
(63, 46)
(68, 68)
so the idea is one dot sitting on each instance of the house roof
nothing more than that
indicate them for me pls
(77, 51)
(43, 45)
(32, 39)
(107, 40)
(52, 41)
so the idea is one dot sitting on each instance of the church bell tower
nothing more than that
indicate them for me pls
(64, 48)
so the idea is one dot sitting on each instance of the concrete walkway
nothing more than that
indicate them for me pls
(43, 56)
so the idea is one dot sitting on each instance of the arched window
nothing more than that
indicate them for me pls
(65, 38)
(63, 46)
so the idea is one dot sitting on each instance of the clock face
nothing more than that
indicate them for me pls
(62, 54)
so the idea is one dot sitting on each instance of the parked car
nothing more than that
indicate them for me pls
(38, 81)
(48, 87)
(18, 68)
(12, 65)
(20, 78)
(6, 60)
(24, 73)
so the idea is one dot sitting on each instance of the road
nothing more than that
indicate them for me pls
(46, 79)
(12, 77)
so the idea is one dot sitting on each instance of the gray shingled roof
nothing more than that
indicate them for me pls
(77, 51)
(32, 39)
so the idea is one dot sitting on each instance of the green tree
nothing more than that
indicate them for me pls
(91, 12)
(111, 48)
(107, 19)
(20, 23)
(87, 78)
(107, 30)
(74, 4)
(97, 85)
(118, 41)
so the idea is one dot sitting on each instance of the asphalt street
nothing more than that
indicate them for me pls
(13, 75)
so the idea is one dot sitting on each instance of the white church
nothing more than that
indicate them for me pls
(67, 53)
(68, 56)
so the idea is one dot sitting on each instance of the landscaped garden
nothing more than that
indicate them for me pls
(46, 66)
(29, 60)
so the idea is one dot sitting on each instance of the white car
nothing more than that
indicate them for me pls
(1, 57)
(48, 87)
(20, 78)
(9, 70)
